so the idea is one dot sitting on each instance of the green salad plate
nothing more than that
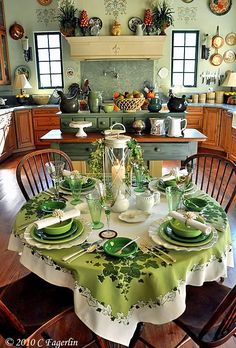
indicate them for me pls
(85, 187)
(50, 206)
(75, 231)
(112, 247)
(195, 204)
(162, 185)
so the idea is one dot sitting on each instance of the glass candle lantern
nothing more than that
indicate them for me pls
(115, 159)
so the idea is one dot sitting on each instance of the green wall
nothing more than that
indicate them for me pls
(195, 15)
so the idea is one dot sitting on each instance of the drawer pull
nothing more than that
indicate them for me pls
(102, 122)
(156, 149)
(88, 149)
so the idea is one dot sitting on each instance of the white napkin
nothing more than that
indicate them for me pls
(53, 219)
(66, 172)
(193, 223)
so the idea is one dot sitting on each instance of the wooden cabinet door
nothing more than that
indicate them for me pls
(195, 117)
(226, 131)
(24, 129)
(232, 154)
(211, 128)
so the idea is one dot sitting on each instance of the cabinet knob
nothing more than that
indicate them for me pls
(102, 122)
(156, 149)
(88, 149)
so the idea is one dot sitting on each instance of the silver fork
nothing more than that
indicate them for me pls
(146, 249)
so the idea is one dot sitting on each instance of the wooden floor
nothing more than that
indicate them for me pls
(11, 199)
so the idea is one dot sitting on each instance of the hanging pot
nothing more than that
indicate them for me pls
(216, 59)
(16, 31)
(217, 40)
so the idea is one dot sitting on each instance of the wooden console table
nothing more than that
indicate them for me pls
(154, 147)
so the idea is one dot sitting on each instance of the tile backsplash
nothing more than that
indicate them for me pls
(111, 76)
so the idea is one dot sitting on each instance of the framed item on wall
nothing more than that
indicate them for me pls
(45, 2)
(220, 7)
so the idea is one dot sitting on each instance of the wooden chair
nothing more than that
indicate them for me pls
(216, 175)
(209, 318)
(29, 307)
(31, 174)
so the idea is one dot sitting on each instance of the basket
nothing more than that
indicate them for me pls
(41, 99)
(129, 105)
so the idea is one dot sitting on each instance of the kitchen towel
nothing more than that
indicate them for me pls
(61, 216)
(191, 222)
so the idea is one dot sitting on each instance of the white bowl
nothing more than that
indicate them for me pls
(41, 99)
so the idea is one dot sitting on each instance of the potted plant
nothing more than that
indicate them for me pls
(162, 16)
(66, 17)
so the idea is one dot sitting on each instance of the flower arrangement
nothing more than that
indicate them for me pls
(162, 15)
(66, 17)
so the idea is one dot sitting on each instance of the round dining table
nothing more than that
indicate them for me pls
(113, 294)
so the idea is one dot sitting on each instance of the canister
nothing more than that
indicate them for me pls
(219, 97)
(211, 97)
(195, 98)
(202, 98)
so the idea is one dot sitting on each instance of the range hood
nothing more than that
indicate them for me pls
(116, 47)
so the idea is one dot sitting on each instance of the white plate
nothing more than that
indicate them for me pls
(163, 73)
(132, 216)
(29, 240)
(153, 234)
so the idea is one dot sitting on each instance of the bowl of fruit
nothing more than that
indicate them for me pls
(129, 102)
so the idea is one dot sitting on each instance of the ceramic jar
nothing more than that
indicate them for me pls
(158, 126)
(95, 101)
(154, 105)
(177, 104)
(68, 105)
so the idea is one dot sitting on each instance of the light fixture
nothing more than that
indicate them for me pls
(21, 82)
(230, 80)
(26, 49)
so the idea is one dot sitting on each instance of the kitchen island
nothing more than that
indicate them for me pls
(155, 148)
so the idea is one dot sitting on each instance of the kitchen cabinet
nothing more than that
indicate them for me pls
(226, 131)
(211, 128)
(7, 135)
(195, 117)
(24, 129)
(232, 154)
(44, 119)
(4, 59)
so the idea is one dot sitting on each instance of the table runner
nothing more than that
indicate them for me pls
(113, 295)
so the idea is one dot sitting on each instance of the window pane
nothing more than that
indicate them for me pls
(42, 41)
(56, 80)
(178, 53)
(177, 79)
(54, 41)
(190, 52)
(189, 66)
(178, 65)
(189, 79)
(55, 67)
(55, 54)
(191, 39)
(179, 39)
(45, 81)
(43, 55)
(44, 68)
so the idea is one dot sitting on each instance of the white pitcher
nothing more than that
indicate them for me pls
(145, 201)
(139, 29)
(176, 126)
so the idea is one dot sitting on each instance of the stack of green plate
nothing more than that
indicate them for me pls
(89, 185)
(161, 185)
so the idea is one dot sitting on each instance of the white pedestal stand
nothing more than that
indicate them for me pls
(81, 125)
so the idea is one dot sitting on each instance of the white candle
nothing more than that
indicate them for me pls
(117, 175)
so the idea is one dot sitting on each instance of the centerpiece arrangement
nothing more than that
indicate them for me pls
(67, 17)
(162, 15)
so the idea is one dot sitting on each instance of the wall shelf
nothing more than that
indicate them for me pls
(116, 47)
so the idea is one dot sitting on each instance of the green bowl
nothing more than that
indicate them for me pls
(59, 228)
(170, 183)
(186, 231)
(50, 206)
(195, 204)
(112, 246)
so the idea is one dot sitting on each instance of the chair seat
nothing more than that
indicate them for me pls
(33, 291)
(201, 303)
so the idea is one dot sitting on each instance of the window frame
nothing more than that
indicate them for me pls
(184, 59)
(36, 34)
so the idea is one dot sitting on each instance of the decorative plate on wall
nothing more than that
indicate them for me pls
(133, 22)
(187, 1)
(220, 8)
(23, 69)
(229, 56)
(230, 39)
(45, 2)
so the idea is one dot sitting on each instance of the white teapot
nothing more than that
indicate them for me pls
(145, 201)
(176, 126)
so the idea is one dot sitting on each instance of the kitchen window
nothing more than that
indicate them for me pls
(184, 58)
(49, 60)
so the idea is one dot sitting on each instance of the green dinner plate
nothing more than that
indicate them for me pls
(112, 246)
(50, 206)
(87, 186)
(162, 187)
(75, 231)
(169, 231)
(195, 204)
(165, 236)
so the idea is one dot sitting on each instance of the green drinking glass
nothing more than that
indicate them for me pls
(75, 184)
(95, 209)
(139, 179)
(174, 197)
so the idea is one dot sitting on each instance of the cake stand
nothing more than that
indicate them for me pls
(81, 125)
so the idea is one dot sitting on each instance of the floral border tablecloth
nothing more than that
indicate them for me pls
(112, 295)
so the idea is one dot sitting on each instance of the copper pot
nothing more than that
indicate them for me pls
(16, 31)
